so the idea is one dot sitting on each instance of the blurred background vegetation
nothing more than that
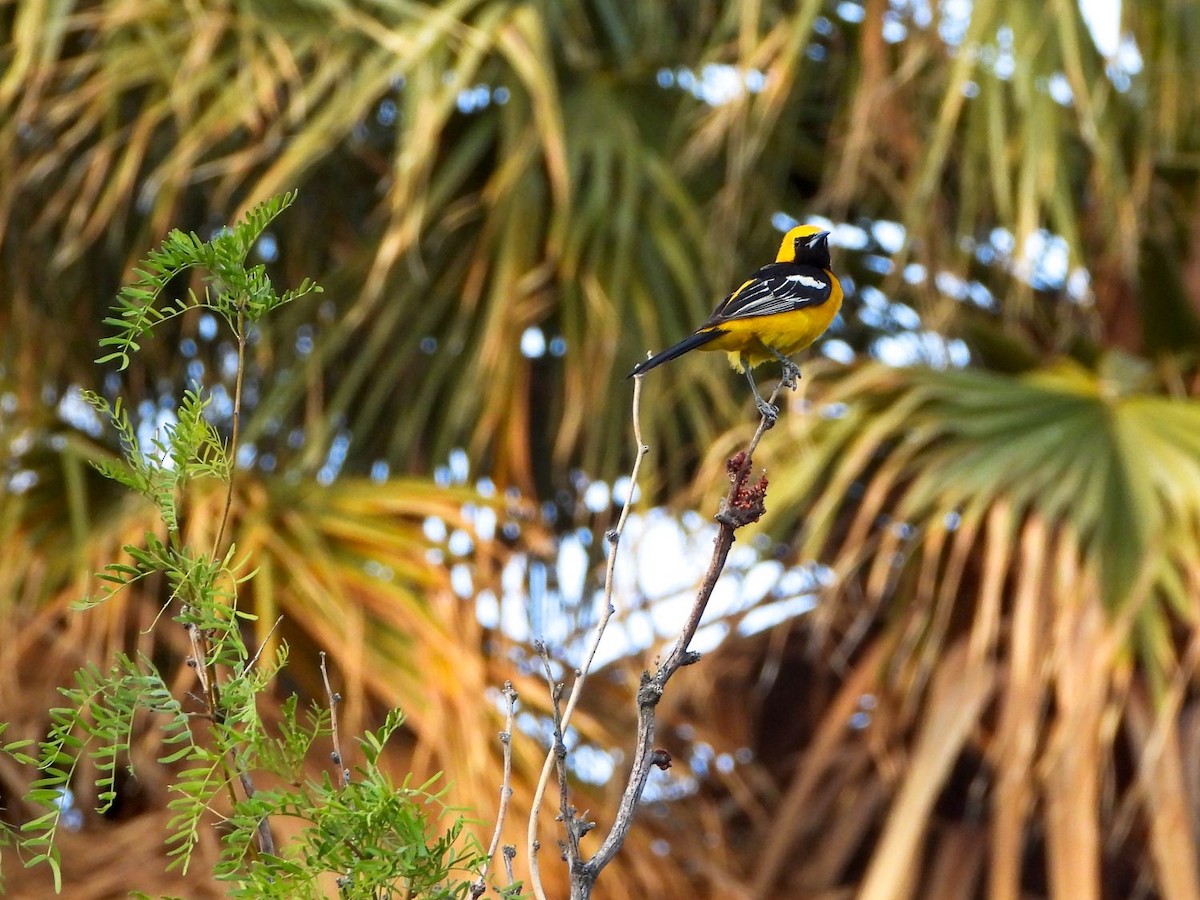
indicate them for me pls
(959, 659)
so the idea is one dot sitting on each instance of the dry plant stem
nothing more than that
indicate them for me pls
(576, 827)
(343, 773)
(613, 537)
(206, 671)
(208, 684)
(740, 506)
(237, 418)
(254, 659)
(510, 853)
(479, 886)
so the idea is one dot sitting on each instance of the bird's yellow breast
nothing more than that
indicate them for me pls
(750, 341)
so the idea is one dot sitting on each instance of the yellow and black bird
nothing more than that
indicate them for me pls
(777, 312)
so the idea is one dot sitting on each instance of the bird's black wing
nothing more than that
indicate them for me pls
(775, 288)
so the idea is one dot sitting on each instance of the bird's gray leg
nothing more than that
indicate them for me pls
(769, 412)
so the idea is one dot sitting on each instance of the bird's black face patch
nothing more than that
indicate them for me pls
(813, 249)
(810, 241)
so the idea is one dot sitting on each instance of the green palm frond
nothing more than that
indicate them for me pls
(1098, 454)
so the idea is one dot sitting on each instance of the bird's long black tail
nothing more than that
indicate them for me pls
(691, 342)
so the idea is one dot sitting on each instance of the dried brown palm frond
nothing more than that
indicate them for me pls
(1002, 677)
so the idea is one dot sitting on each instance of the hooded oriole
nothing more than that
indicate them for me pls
(778, 311)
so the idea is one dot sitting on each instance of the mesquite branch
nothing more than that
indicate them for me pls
(742, 505)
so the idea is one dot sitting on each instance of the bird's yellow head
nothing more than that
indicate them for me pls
(807, 245)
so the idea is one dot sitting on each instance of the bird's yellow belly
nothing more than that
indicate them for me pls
(750, 341)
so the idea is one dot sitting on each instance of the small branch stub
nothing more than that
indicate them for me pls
(650, 691)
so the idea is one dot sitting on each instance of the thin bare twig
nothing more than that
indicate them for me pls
(576, 826)
(510, 853)
(480, 884)
(199, 662)
(343, 771)
(334, 700)
(613, 537)
(254, 660)
(210, 693)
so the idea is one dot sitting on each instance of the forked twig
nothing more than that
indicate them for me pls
(613, 537)
(576, 826)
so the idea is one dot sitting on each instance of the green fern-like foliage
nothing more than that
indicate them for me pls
(375, 835)
(15, 751)
(98, 723)
(239, 294)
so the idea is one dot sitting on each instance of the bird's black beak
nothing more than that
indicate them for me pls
(821, 237)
